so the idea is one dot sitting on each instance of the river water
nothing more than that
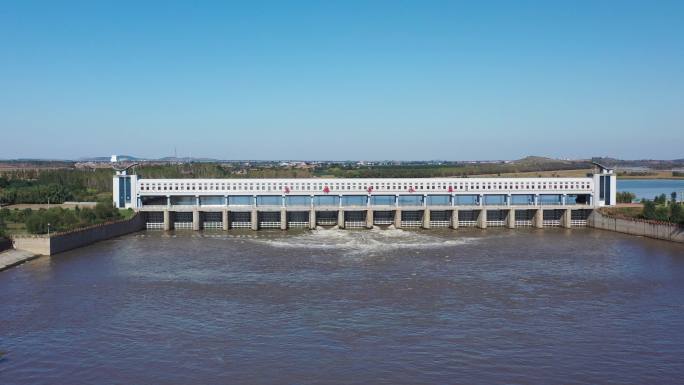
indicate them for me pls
(650, 188)
(333, 306)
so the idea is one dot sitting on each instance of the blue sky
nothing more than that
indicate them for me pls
(342, 79)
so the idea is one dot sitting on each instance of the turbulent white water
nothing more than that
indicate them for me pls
(366, 242)
(348, 242)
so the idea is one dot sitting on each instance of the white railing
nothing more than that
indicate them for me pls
(411, 223)
(440, 223)
(383, 221)
(467, 223)
(354, 224)
(551, 222)
(496, 223)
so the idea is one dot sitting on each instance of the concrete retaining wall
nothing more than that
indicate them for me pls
(61, 242)
(35, 244)
(651, 229)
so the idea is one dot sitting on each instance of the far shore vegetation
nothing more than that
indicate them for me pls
(659, 208)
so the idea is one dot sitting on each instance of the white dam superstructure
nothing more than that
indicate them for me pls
(364, 202)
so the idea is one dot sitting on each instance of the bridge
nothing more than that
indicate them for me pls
(364, 202)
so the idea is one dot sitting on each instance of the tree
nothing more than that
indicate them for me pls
(649, 210)
(662, 213)
(660, 199)
(625, 197)
(36, 224)
(677, 213)
(106, 211)
(673, 197)
(3, 227)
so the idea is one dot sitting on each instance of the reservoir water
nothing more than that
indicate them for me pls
(530, 306)
(649, 188)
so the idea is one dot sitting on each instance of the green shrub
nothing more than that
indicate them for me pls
(660, 199)
(649, 210)
(677, 213)
(625, 197)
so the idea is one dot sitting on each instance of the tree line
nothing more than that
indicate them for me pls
(57, 186)
(663, 210)
(59, 219)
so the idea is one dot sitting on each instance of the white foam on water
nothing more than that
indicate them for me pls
(364, 242)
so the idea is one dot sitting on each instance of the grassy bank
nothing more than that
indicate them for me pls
(662, 211)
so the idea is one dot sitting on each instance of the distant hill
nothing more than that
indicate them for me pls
(654, 164)
(544, 160)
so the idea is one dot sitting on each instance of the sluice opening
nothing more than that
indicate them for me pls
(524, 218)
(212, 220)
(496, 218)
(578, 218)
(268, 219)
(354, 219)
(154, 220)
(467, 218)
(440, 218)
(298, 219)
(240, 219)
(552, 218)
(182, 220)
(383, 217)
(411, 218)
(326, 218)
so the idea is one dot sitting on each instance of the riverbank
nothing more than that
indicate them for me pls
(64, 241)
(601, 219)
(11, 258)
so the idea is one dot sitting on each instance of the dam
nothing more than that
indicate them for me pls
(350, 203)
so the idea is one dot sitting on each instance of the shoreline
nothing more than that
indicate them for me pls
(13, 257)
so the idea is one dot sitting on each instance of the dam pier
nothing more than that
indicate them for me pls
(224, 204)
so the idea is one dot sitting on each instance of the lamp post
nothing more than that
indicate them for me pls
(48, 230)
